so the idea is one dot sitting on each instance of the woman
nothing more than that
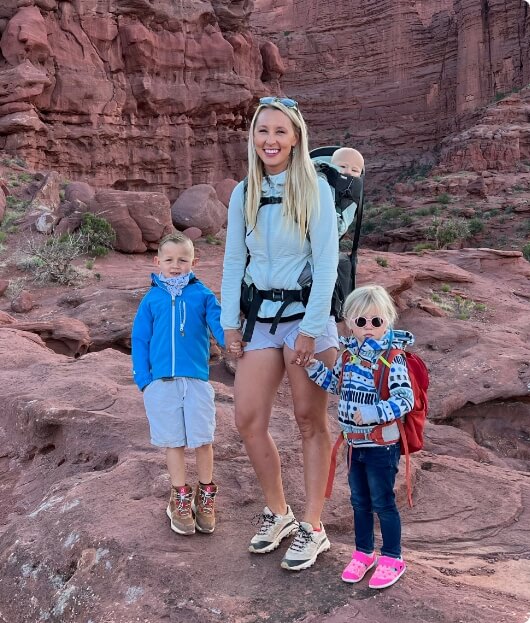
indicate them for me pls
(282, 245)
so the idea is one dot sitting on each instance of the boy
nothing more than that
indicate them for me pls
(170, 353)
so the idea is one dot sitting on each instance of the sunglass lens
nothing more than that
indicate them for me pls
(360, 322)
(377, 322)
(286, 101)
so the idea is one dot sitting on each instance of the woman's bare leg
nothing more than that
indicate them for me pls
(310, 410)
(258, 375)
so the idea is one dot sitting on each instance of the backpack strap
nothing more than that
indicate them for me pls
(381, 380)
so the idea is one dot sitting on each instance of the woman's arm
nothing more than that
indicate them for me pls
(235, 260)
(324, 242)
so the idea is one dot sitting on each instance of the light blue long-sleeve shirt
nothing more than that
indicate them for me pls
(277, 257)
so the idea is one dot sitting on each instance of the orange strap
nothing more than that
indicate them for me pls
(375, 435)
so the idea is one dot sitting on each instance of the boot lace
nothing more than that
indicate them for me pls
(206, 501)
(301, 540)
(182, 502)
(267, 522)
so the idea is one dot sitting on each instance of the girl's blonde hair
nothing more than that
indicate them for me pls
(300, 197)
(370, 298)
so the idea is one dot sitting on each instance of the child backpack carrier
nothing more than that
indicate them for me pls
(349, 198)
(410, 431)
(349, 203)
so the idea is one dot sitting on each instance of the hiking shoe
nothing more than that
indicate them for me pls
(203, 507)
(360, 563)
(273, 529)
(179, 510)
(387, 572)
(305, 547)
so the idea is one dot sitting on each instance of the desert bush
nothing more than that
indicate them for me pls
(444, 198)
(52, 259)
(445, 232)
(97, 235)
(423, 246)
(526, 251)
(476, 226)
(382, 261)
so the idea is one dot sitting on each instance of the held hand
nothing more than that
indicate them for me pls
(234, 343)
(304, 347)
(357, 418)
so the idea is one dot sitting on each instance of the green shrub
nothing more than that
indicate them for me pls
(97, 235)
(382, 261)
(526, 251)
(445, 287)
(52, 259)
(445, 232)
(423, 246)
(475, 226)
(3, 236)
(444, 198)
(211, 239)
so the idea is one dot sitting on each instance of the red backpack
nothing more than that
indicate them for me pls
(411, 431)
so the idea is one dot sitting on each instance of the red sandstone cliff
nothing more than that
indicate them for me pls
(131, 95)
(395, 78)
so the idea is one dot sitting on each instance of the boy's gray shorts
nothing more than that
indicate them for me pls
(181, 412)
(286, 334)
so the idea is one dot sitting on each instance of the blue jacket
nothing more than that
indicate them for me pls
(171, 334)
(277, 258)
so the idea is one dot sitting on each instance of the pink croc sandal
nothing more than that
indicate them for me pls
(360, 563)
(387, 572)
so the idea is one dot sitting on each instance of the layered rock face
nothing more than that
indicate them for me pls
(129, 95)
(394, 78)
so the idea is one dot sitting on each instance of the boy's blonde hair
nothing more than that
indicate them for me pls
(370, 297)
(177, 237)
(300, 197)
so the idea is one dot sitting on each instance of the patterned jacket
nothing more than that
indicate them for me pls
(357, 389)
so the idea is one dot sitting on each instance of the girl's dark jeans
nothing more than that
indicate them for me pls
(371, 477)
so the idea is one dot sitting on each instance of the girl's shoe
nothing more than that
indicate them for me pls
(387, 572)
(360, 563)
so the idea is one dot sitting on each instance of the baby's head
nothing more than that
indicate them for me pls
(176, 255)
(369, 312)
(348, 161)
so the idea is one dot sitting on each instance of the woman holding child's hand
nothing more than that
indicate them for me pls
(280, 269)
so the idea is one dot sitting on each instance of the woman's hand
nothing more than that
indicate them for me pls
(234, 343)
(304, 347)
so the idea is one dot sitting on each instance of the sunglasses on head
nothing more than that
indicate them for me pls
(286, 101)
(376, 322)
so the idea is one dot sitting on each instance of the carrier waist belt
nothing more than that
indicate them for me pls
(258, 296)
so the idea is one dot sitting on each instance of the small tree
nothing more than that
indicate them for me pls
(445, 232)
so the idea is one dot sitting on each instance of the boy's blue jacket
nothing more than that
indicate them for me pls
(171, 334)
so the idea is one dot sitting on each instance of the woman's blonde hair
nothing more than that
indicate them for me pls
(370, 298)
(300, 197)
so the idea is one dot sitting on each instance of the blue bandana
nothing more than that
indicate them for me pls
(175, 285)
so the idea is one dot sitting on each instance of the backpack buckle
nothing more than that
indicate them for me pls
(277, 295)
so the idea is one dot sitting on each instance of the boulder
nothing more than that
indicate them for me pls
(199, 207)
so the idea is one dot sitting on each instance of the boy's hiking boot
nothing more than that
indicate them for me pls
(179, 510)
(203, 507)
(305, 547)
(359, 564)
(273, 529)
(387, 572)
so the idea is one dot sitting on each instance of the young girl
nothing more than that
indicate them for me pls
(370, 313)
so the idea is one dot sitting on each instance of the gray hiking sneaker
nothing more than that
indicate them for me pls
(273, 529)
(306, 546)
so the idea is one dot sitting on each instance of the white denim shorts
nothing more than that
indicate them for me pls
(286, 334)
(181, 412)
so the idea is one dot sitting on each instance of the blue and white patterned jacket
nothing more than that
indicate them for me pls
(358, 389)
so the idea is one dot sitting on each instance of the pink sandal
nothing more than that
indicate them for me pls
(360, 563)
(387, 572)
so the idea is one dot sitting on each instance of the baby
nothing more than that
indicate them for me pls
(348, 161)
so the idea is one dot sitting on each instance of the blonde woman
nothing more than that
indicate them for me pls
(280, 268)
